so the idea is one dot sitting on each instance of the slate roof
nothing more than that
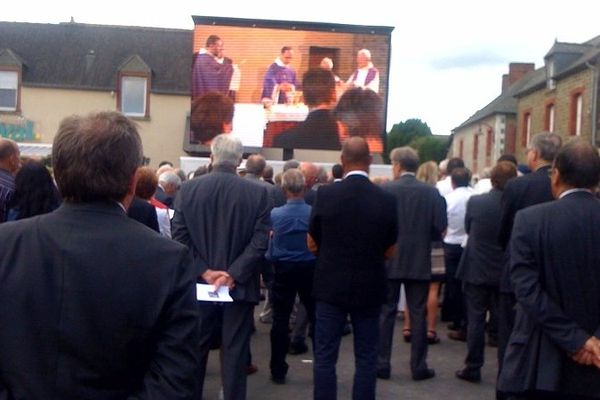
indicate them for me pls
(83, 56)
(506, 103)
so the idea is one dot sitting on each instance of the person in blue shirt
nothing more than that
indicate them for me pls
(294, 267)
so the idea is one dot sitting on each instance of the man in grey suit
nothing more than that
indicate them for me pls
(481, 265)
(94, 305)
(224, 221)
(421, 219)
(554, 349)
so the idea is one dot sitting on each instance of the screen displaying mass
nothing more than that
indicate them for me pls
(276, 83)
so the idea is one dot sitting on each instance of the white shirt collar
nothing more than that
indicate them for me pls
(361, 173)
(280, 63)
(408, 173)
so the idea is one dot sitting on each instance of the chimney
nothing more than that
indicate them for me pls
(515, 72)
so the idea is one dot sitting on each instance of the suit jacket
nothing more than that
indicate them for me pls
(353, 223)
(483, 259)
(95, 306)
(276, 195)
(224, 220)
(318, 131)
(555, 271)
(143, 212)
(519, 193)
(421, 212)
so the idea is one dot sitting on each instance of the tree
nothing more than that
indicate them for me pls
(417, 134)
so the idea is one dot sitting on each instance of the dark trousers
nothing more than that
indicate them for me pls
(330, 320)
(291, 278)
(416, 301)
(453, 308)
(480, 299)
(506, 321)
(237, 322)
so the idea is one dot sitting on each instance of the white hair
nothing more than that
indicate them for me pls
(328, 62)
(226, 149)
(366, 53)
(170, 177)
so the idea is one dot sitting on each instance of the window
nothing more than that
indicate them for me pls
(550, 82)
(576, 112)
(134, 90)
(526, 129)
(550, 117)
(9, 90)
(489, 141)
(460, 148)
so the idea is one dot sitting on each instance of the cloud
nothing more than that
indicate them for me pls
(468, 60)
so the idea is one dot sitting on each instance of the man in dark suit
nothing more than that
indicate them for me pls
(520, 193)
(319, 129)
(481, 265)
(421, 219)
(554, 349)
(92, 304)
(353, 223)
(168, 185)
(224, 221)
(143, 212)
(255, 166)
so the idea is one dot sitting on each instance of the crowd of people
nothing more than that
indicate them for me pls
(96, 305)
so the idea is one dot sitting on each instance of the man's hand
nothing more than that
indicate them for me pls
(224, 280)
(589, 354)
(286, 87)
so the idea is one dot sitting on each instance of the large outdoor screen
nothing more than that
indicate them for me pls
(265, 83)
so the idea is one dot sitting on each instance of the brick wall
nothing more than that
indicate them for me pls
(563, 99)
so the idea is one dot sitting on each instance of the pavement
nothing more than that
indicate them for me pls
(446, 358)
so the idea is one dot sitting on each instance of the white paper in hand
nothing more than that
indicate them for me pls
(206, 292)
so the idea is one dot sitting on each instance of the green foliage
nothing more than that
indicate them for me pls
(417, 134)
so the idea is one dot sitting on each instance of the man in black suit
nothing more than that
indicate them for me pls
(224, 221)
(168, 185)
(520, 193)
(319, 129)
(421, 220)
(143, 212)
(92, 304)
(255, 166)
(481, 265)
(353, 223)
(554, 349)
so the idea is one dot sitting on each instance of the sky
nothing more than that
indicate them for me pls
(448, 57)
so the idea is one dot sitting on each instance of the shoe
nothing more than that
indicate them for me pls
(298, 348)
(469, 375)
(278, 380)
(461, 336)
(251, 369)
(406, 335)
(432, 337)
(425, 374)
(383, 373)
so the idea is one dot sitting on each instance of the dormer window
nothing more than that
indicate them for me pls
(550, 71)
(9, 90)
(134, 88)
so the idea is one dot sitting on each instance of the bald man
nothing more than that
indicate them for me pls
(9, 165)
(353, 223)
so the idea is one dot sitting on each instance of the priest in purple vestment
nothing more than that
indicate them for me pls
(366, 75)
(211, 71)
(279, 79)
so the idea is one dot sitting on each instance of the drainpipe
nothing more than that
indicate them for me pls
(594, 69)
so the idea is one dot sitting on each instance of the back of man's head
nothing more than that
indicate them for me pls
(170, 181)
(460, 177)
(578, 165)
(356, 154)
(310, 172)
(406, 157)
(337, 171)
(95, 157)
(290, 164)
(318, 87)
(322, 176)
(226, 150)
(255, 165)
(147, 181)
(9, 154)
(508, 157)
(360, 111)
(546, 144)
(293, 181)
(268, 173)
(501, 173)
(454, 163)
